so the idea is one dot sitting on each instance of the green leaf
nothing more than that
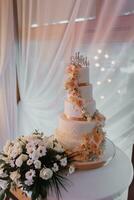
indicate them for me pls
(35, 192)
(44, 192)
(2, 194)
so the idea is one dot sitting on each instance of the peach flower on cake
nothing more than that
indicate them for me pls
(74, 92)
(71, 84)
(77, 101)
(72, 70)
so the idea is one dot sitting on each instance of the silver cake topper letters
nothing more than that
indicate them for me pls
(79, 60)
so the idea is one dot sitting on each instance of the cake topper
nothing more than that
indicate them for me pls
(79, 60)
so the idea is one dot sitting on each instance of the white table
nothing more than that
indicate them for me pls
(105, 183)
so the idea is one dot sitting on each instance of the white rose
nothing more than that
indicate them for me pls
(37, 164)
(2, 173)
(12, 163)
(46, 173)
(3, 184)
(29, 162)
(63, 162)
(15, 151)
(55, 167)
(24, 157)
(71, 169)
(19, 161)
(15, 176)
(30, 174)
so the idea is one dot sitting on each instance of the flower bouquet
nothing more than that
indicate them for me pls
(35, 164)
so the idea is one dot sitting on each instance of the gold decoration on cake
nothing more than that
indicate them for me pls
(75, 118)
(99, 118)
(83, 84)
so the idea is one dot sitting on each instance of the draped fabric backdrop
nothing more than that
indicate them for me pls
(8, 105)
(49, 32)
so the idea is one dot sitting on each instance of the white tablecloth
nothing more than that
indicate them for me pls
(105, 183)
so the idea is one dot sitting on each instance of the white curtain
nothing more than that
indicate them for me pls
(49, 33)
(8, 105)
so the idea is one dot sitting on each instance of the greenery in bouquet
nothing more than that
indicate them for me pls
(36, 164)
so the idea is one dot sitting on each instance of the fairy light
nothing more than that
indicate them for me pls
(109, 80)
(106, 56)
(99, 51)
(80, 19)
(34, 25)
(102, 69)
(102, 97)
(96, 57)
(98, 83)
(113, 62)
(97, 64)
(64, 22)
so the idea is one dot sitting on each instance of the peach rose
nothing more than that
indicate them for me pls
(70, 85)
(72, 70)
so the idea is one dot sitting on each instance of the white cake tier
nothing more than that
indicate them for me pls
(85, 92)
(72, 110)
(71, 132)
(83, 75)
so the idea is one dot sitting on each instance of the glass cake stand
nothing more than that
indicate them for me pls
(103, 160)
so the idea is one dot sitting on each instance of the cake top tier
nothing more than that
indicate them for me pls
(79, 68)
(77, 80)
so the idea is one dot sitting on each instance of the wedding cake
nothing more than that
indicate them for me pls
(80, 127)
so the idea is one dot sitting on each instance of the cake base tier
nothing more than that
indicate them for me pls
(103, 160)
(74, 129)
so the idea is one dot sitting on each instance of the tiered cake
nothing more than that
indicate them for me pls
(80, 126)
